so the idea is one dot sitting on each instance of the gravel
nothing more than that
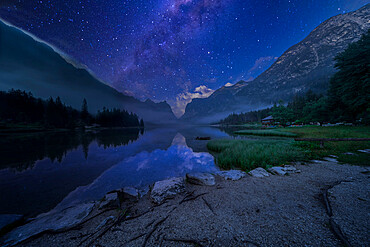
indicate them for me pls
(270, 211)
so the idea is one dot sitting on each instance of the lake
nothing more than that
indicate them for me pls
(42, 171)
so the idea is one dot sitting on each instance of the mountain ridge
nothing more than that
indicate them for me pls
(29, 64)
(306, 65)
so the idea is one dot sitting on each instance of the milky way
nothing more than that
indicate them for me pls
(173, 50)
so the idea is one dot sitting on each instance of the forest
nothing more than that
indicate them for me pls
(20, 107)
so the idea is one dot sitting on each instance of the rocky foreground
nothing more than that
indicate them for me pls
(321, 203)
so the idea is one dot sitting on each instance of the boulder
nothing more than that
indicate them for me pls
(200, 178)
(231, 174)
(166, 189)
(277, 170)
(259, 173)
(7, 220)
(53, 221)
(283, 170)
(110, 200)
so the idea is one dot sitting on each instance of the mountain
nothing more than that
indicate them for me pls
(31, 65)
(306, 65)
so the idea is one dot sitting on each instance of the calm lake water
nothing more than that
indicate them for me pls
(39, 172)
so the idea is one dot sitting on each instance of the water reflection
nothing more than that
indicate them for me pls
(144, 169)
(21, 151)
(70, 167)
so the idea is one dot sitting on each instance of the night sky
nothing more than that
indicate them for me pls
(173, 50)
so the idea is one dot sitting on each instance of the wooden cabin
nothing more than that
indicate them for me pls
(268, 120)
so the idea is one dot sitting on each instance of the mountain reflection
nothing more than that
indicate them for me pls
(143, 169)
(21, 151)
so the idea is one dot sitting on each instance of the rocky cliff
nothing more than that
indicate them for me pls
(306, 65)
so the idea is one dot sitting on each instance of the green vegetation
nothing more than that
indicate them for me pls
(303, 109)
(265, 151)
(248, 117)
(348, 97)
(250, 154)
(349, 93)
(330, 132)
(20, 111)
(314, 151)
(274, 132)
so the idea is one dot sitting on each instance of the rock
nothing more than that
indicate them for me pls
(7, 220)
(366, 170)
(349, 202)
(167, 189)
(200, 178)
(231, 174)
(110, 200)
(106, 221)
(259, 173)
(333, 156)
(364, 151)
(130, 191)
(52, 221)
(333, 160)
(349, 153)
(291, 169)
(283, 170)
(144, 191)
(277, 170)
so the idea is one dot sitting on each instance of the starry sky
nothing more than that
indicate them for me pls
(173, 50)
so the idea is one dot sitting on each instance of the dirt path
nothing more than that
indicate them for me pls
(271, 211)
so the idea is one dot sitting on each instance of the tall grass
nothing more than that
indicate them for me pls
(250, 154)
(264, 152)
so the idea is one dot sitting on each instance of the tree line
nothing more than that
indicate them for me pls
(347, 100)
(20, 107)
(247, 117)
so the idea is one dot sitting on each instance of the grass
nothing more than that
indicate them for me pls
(331, 132)
(273, 132)
(266, 152)
(314, 151)
(250, 154)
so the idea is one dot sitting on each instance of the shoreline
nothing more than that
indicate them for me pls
(289, 209)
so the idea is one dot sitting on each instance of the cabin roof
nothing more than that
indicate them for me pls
(268, 118)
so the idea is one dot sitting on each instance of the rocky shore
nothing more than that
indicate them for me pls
(321, 203)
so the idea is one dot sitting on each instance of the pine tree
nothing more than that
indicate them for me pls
(84, 112)
(349, 93)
